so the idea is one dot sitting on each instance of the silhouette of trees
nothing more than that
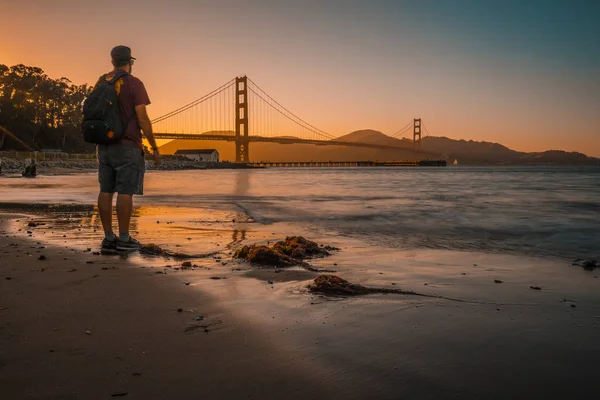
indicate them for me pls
(41, 111)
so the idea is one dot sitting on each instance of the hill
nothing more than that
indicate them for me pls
(376, 137)
(371, 136)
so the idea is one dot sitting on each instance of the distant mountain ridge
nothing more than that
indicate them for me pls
(470, 152)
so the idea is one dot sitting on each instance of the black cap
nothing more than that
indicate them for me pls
(121, 53)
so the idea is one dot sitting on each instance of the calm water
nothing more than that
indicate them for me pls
(547, 212)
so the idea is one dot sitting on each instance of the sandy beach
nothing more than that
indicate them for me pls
(79, 325)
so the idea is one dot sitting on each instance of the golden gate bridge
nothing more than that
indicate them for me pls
(240, 111)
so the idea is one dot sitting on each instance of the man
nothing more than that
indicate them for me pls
(30, 169)
(122, 165)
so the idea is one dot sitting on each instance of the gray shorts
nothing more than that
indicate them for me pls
(121, 169)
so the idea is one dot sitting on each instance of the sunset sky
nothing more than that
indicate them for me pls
(522, 73)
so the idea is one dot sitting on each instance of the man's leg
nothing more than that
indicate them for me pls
(105, 209)
(124, 210)
(106, 178)
(130, 181)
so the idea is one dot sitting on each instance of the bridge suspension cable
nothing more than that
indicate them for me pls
(195, 102)
(425, 130)
(213, 113)
(403, 131)
(302, 127)
(299, 122)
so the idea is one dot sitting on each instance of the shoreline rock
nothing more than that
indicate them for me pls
(168, 163)
(588, 265)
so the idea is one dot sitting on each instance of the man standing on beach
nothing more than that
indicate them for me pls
(121, 165)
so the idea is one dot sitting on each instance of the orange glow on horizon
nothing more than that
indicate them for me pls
(339, 84)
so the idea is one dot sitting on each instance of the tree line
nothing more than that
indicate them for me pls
(42, 112)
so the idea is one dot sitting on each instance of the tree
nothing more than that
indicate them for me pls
(41, 111)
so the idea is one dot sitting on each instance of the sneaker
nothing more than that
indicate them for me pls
(109, 246)
(130, 245)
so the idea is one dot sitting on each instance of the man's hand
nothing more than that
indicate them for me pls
(156, 156)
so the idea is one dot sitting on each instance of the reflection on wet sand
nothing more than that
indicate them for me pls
(237, 237)
(191, 230)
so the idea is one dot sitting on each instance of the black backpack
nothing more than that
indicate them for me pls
(101, 121)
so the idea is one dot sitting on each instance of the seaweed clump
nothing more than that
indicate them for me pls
(332, 284)
(152, 249)
(265, 255)
(286, 253)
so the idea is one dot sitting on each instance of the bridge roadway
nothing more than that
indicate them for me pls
(280, 140)
(329, 164)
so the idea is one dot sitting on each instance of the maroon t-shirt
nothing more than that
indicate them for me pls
(131, 93)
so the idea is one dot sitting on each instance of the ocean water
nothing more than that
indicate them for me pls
(534, 211)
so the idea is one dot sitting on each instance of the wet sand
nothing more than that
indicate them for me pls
(70, 329)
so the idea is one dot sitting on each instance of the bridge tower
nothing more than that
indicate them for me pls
(416, 133)
(241, 120)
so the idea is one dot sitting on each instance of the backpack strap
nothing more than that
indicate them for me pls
(117, 76)
(120, 74)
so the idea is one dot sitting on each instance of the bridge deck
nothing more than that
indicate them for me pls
(330, 164)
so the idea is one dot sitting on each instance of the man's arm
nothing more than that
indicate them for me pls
(146, 126)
